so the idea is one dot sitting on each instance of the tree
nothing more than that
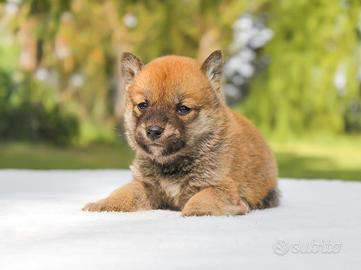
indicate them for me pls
(311, 78)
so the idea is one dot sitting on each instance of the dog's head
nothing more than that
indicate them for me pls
(172, 104)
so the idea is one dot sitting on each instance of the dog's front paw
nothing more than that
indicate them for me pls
(200, 208)
(197, 211)
(98, 206)
(213, 206)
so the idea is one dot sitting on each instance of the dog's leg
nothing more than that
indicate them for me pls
(131, 197)
(215, 201)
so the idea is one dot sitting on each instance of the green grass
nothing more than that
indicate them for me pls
(45, 156)
(338, 158)
(331, 159)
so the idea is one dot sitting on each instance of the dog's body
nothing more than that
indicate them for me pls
(192, 152)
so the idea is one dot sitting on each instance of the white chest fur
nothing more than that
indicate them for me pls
(172, 189)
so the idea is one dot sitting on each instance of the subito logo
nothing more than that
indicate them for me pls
(281, 247)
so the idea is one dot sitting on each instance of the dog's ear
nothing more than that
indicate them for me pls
(212, 67)
(130, 67)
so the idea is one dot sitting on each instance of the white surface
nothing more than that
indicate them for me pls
(42, 227)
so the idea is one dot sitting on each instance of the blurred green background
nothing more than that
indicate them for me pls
(292, 67)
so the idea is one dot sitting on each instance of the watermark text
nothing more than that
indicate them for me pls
(283, 247)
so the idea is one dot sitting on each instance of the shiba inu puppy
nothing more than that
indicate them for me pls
(193, 153)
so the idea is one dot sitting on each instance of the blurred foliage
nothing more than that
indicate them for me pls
(33, 114)
(313, 79)
(33, 121)
(59, 68)
(70, 51)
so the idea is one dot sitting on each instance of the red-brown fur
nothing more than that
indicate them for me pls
(209, 161)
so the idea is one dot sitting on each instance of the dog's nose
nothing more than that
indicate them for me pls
(154, 132)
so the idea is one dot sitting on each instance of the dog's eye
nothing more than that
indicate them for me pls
(142, 106)
(182, 109)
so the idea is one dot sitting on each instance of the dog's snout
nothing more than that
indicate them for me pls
(154, 132)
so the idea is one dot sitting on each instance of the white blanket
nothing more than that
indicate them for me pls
(317, 226)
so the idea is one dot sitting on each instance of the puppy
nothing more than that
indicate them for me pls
(193, 153)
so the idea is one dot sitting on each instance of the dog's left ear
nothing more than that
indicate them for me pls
(130, 67)
(212, 67)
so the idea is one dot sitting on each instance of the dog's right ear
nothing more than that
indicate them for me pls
(130, 67)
